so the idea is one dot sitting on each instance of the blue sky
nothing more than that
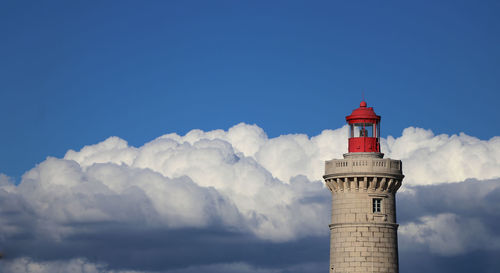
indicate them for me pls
(73, 73)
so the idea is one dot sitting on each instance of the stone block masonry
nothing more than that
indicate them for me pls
(363, 231)
(363, 248)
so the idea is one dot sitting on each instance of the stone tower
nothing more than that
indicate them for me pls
(363, 232)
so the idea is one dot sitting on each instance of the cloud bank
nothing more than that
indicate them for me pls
(234, 201)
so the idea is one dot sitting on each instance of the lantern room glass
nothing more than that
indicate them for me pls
(364, 130)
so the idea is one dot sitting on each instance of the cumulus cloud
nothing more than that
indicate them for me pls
(430, 159)
(450, 234)
(77, 265)
(450, 227)
(81, 265)
(111, 206)
(451, 219)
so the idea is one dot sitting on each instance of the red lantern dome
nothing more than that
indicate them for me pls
(364, 133)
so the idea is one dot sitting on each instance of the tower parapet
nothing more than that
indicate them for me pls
(359, 165)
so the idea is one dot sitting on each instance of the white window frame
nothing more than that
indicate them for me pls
(377, 205)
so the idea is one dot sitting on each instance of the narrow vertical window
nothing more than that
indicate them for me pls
(377, 205)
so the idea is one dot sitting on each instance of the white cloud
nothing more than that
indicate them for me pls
(82, 265)
(77, 265)
(238, 179)
(427, 158)
(449, 234)
(190, 181)
(431, 159)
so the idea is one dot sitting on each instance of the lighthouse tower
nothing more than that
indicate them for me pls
(363, 232)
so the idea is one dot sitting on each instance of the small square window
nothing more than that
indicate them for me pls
(377, 205)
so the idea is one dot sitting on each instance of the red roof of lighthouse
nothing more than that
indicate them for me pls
(362, 113)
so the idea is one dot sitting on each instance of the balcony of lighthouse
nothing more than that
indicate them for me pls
(360, 164)
(363, 173)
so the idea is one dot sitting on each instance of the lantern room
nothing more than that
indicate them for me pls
(364, 130)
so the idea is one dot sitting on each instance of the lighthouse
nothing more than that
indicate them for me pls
(363, 230)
